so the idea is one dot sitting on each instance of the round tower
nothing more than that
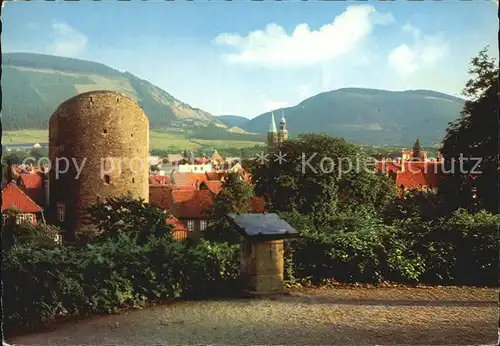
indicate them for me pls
(98, 148)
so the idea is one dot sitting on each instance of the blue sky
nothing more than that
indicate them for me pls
(246, 58)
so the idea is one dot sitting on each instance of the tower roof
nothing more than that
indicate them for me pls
(272, 125)
(282, 117)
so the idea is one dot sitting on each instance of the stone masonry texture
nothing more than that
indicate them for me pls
(104, 136)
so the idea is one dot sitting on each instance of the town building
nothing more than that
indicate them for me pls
(17, 207)
(407, 174)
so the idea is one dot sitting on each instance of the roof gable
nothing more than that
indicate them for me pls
(14, 198)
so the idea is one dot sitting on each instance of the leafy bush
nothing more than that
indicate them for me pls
(461, 249)
(39, 235)
(212, 269)
(125, 215)
(41, 284)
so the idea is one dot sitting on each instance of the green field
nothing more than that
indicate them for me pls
(157, 140)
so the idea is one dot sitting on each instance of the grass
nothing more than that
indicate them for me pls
(157, 140)
(25, 136)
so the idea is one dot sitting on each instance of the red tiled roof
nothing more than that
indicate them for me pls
(31, 180)
(213, 185)
(188, 178)
(388, 166)
(14, 197)
(416, 174)
(177, 225)
(191, 204)
(215, 176)
(32, 185)
(179, 231)
(161, 196)
(419, 174)
(184, 187)
(160, 180)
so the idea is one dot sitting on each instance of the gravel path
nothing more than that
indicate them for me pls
(310, 316)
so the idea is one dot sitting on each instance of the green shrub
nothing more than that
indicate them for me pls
(212, 269)
(461, 249)
(41, 284)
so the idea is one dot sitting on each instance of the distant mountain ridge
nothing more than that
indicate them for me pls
(34, 85)
(371, 116)
(233, 120)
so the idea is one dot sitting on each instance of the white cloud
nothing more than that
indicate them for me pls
(67, 41)
(424, 52)
(271, 105)
(274, 47)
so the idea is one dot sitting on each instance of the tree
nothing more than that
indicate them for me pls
(32, 235)
(416, 150)
(470, 147)
(321, 175)
(125, 215)
(235, 197)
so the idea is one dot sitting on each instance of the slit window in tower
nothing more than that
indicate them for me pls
(107, 179)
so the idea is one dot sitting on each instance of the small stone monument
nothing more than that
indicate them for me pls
(262, 260)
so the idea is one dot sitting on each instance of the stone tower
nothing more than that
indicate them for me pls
(272, 135)
(98, 148)
(283, 132)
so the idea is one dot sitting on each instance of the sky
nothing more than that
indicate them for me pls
(246, 58)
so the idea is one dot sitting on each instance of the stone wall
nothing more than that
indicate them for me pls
(262, 266)
(105, 138)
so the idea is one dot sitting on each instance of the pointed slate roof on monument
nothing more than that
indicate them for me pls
(262, 225)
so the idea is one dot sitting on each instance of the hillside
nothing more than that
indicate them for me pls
(370, 116)
(233, 120)
(34, 85)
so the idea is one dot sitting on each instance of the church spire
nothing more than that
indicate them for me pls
(272, 125)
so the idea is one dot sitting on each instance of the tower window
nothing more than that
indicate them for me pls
(107, 179)
(105, 131)
(117, 100)
(131, 135)
(133, 180)
(91, 99)
(61, 212)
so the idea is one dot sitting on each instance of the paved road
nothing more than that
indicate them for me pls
(334, 316)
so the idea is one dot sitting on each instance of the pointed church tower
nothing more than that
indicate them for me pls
(272, 135)
(283, 132)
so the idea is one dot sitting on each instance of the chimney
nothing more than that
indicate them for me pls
(197, 185)
(403, 164)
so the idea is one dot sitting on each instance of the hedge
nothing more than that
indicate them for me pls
(461, 249)
(41, 284)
